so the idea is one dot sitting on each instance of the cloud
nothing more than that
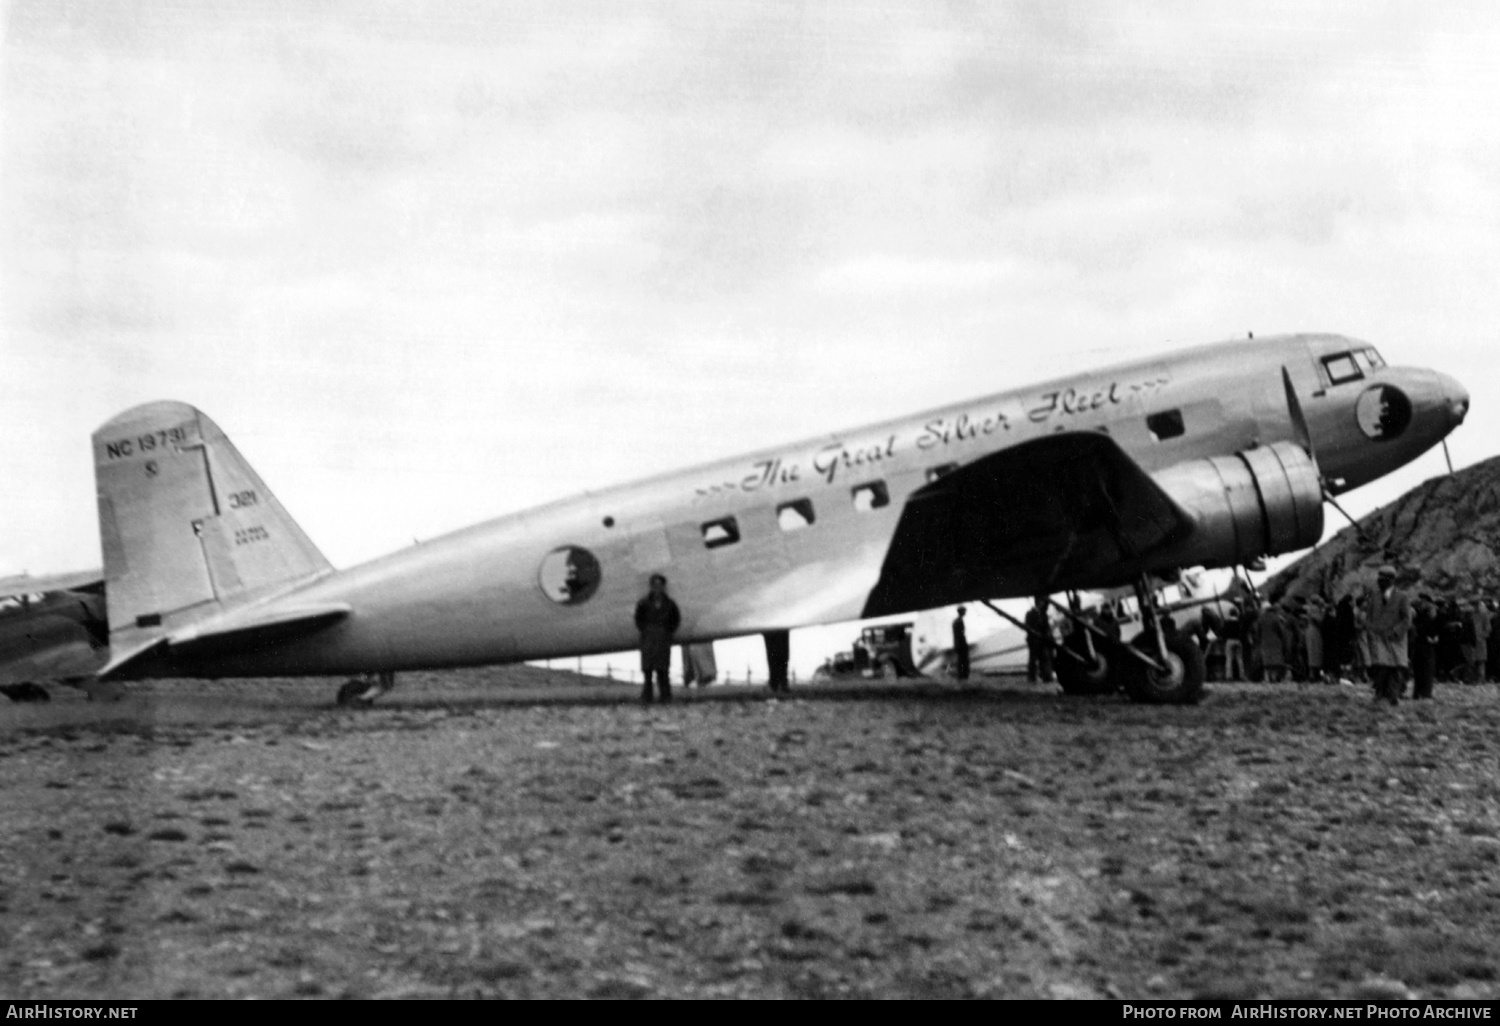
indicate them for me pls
(886, 275)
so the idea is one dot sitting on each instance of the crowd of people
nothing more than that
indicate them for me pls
(1383, 635)
(1447, 638)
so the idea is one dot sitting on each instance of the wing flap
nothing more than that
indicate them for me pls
(1068, 510)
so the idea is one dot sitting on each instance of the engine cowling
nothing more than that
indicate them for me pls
(1259, 502)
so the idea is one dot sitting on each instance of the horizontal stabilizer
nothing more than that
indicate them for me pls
(243, 629)
(121, 658)
(277, 623)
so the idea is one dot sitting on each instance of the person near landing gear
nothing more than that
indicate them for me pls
(657, 619)
(1389, 625)
(960, 647)
(1039, 642)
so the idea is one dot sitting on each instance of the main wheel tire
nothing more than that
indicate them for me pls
(1180, 684)
(1091, 677)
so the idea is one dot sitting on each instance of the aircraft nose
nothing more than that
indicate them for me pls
(1457, 398)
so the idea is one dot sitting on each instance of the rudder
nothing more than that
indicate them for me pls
(188, 528)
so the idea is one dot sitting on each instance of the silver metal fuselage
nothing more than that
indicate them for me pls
(481, 596)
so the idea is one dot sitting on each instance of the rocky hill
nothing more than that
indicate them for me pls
(1443, 535)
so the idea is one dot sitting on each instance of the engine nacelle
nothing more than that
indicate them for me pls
(1259, 502)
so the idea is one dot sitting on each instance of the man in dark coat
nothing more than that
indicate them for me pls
(1389, 627)
(1476, 645)
(1450, 656)
(657, 618)
(1038, 641)
(1493, 645)
(1347, 633)
(1424, 638)
(1271, 643)
(778, 656)
(960, 647)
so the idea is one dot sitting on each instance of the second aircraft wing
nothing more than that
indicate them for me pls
(1040, 517)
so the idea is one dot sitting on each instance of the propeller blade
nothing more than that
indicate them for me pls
(1299, 422)
(1304, 439)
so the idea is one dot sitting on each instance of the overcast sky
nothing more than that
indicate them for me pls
(430, 263)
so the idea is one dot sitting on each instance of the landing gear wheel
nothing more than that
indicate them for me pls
(352, 694)
(1090, 677)
(888, 671)
(1180, 683)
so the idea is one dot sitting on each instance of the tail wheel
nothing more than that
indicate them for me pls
(352, 693)
(1085, 675)
(26, 691)
(1179, 683)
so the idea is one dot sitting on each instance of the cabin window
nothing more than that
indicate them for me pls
(1165, 425)
(941, 470)
(870, 496)
(795, 515)
(718, 533)
(569, 575)
(1342, 368)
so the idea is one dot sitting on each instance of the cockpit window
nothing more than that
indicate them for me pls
(1369, 359)
(1342, 368)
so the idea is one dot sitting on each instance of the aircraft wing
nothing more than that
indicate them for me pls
(1069, 510)
(26, 584)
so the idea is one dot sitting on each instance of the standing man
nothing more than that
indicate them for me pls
(1233, 632)
(1492, 648)
(1312, 640)
(1476, 646)
(1038, 642)
(960, 647)
(657, 618)
(778, 655)
(1390, 622)
(1270, 639)
(1424, 639)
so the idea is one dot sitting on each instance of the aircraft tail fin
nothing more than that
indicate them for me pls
(189, 530)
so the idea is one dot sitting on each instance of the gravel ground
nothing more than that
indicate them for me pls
(522, 833)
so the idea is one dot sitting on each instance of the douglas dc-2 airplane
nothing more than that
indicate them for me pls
(1213, 456)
